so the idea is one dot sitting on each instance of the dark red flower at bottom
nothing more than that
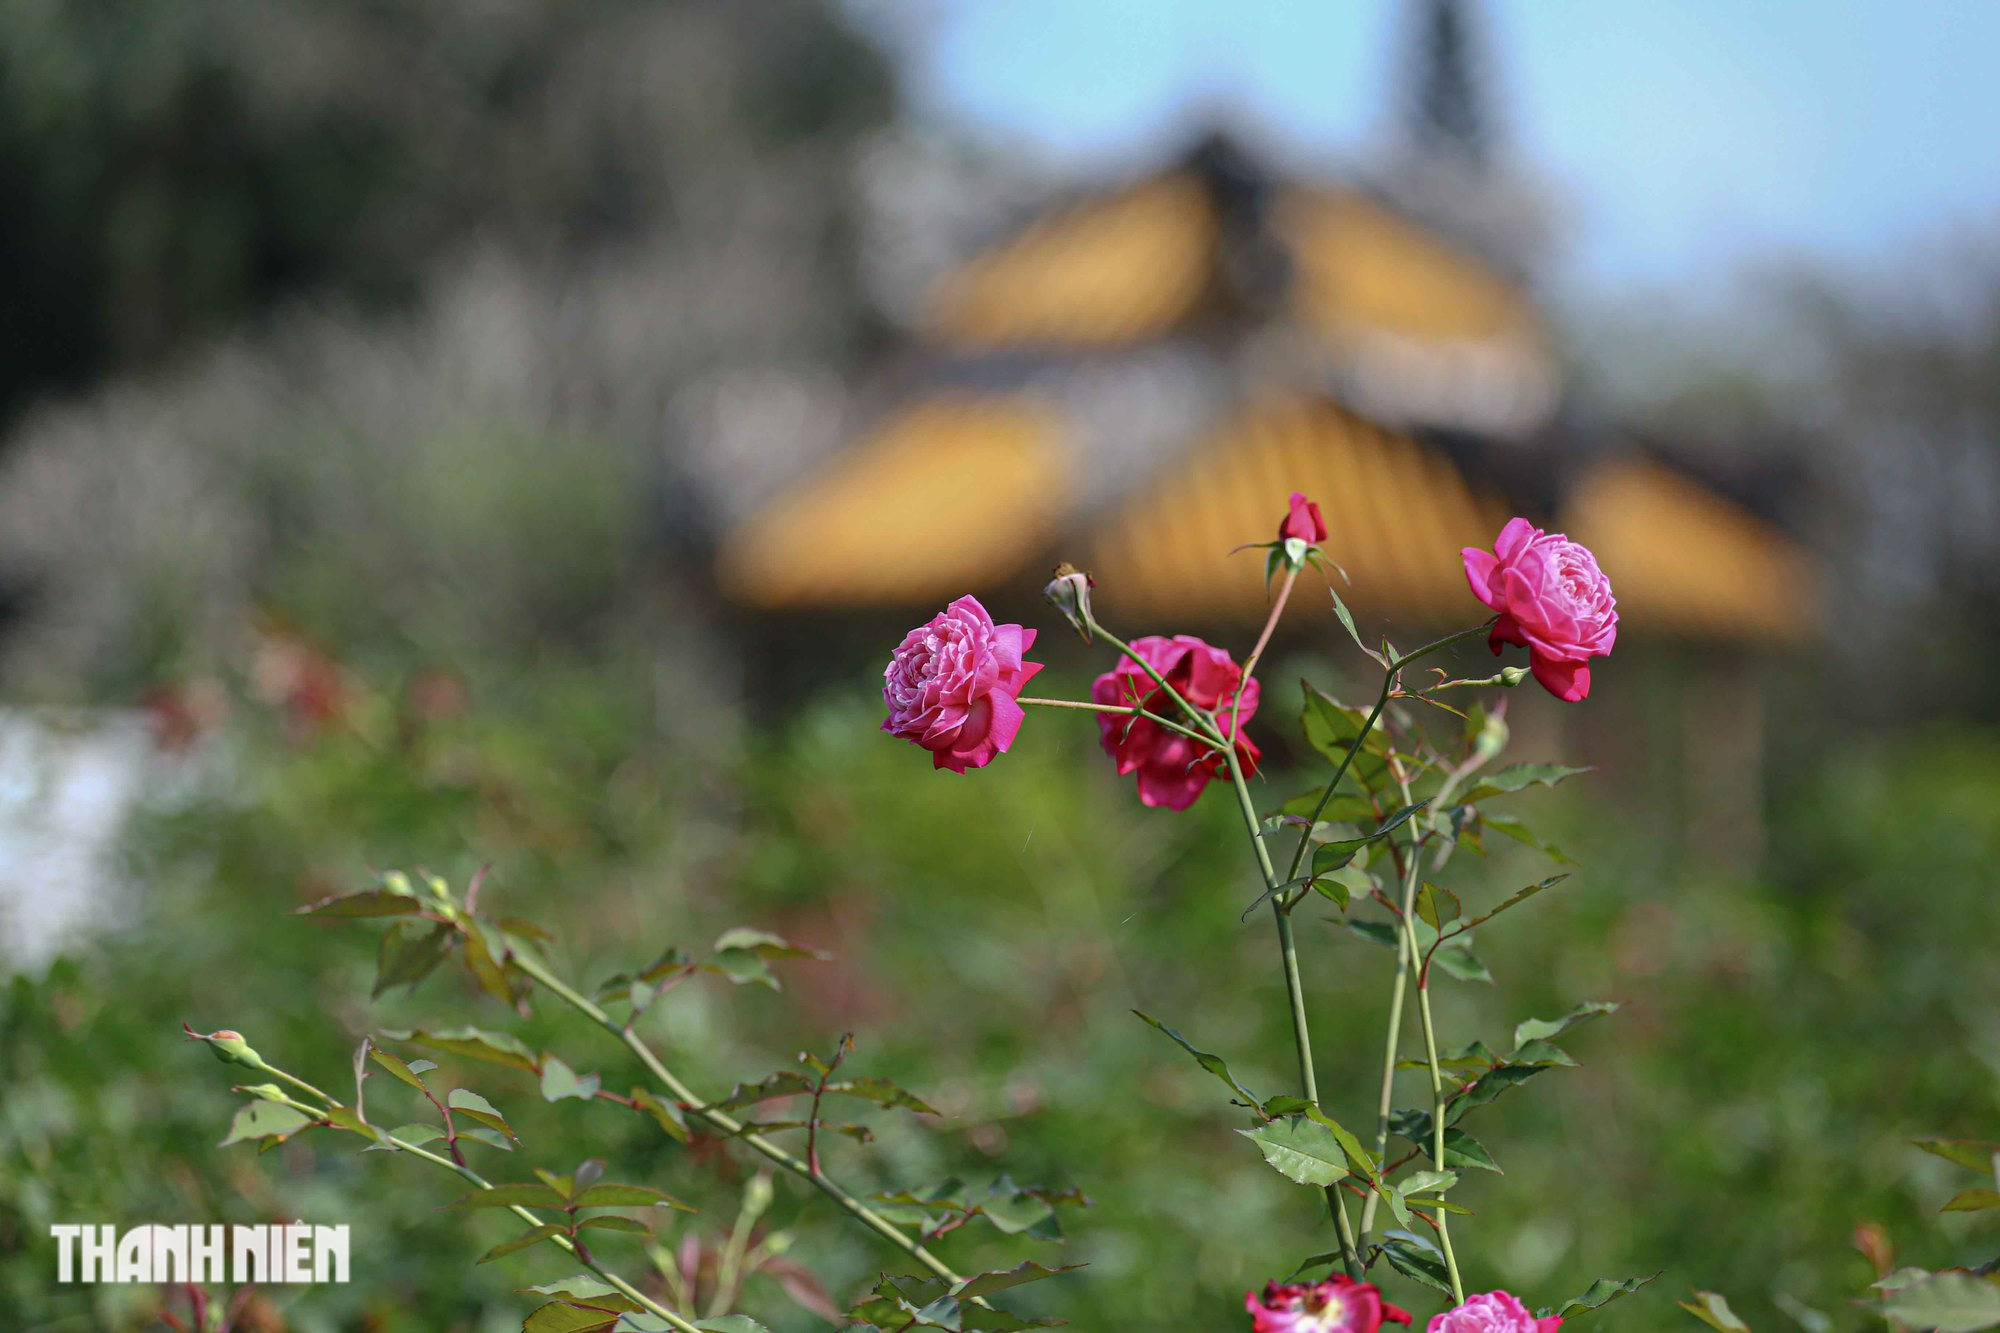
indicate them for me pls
(1337, 1305)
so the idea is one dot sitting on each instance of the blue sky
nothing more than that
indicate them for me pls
(1686, 138)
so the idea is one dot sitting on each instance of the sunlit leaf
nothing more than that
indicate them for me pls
(1537, 1029)
(476, 1107)
(1713, 1309)
(1947, 1302)
(265, 1120)
(560, 1081)
(1975, 1153)
(1301, 1150)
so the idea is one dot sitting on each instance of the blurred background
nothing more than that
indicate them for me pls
(492, 432)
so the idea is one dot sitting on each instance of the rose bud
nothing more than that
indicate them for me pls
(1069, 593)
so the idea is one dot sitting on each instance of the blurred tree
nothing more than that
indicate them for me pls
(167, 169)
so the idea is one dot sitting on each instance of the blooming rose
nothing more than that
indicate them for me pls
(1172, 768)
(1553, 600)
(1337, 1305)
(952, 684)
(1494, 1312)
(1303, 522)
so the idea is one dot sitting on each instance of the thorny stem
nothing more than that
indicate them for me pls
(1287, 944)
(532, 1219)
(1392, 1042)
(728, 1125)
(1437, 1109)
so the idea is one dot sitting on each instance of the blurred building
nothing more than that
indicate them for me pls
(1135, 378)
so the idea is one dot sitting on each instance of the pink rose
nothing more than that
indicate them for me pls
(952, 684)
(1172, 768)
(1303, 522)
(1337, 1305)
(1494, 1312)
(1553, 600)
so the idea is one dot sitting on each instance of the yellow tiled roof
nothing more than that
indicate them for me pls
(1123, 269)
(1397, 512)
(1684, 560)
(1363, 267)
(945, 496)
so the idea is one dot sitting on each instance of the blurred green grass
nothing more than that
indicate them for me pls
(1783, 1036)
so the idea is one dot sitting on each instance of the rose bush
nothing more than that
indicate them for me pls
(1553, 600)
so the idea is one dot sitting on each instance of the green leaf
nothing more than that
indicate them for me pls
(1947, 1302)
(1301, 1150)
(1972, 1201)
(1376, 932)
(1712, 1309)
(1331, 727)
(560, 1081)
(481, 1134)
(764, 944)
(599, 1316)
(1518, 777)
(476, 1107)
(1346, 619)
(418, 1135)
(1599, 1294)
(627, 1196)
(1426, 1182)
(780, 1083)
(1461, 1149)
(512, 1196)
(1459, 961)
(494, 1048)
(1975, 1153)
(1538, 1029)
(883, 1093)
(1214, 1064)
(396, 1067)
(1489, 1086)
(1016, 1213)
(1520, 833)
(986, 1284)
(535, 1237)
(368, 902)
(1515, 901)
(666, 1114)
(1417, 1259)
(732, 1323)
(1436, 906)
(410, 951)
(615, 1222)
(265, 1120)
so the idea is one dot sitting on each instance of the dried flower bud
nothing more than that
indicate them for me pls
(1069, 593)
